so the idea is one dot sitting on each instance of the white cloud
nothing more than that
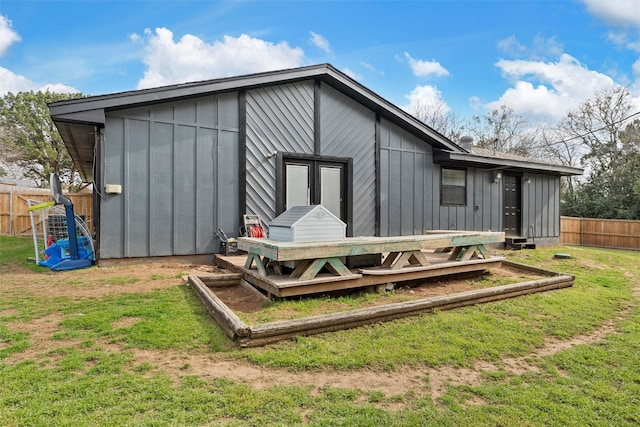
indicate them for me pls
(425, 98)
(475, 103)
(320, 42)
(619, 13)
(426, 68)
(192, 59)
(622, 39)
(542, 47)
(12, 82)
(511, 46)
(7, 35)
(548, 89)
(58, 88)
(349, 72)
(371, 68)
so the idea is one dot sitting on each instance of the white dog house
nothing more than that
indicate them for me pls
(307, 224)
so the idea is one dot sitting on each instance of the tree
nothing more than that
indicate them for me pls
(29, 138)
(597, 124)
(502, 130)
(439, 117)
(610, 145)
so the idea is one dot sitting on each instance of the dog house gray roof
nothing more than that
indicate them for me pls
(294, 214)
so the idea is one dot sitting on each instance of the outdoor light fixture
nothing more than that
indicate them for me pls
(497, 176)
(527, 180)
(273, 154)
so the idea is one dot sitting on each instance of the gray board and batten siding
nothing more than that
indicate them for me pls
(178, 167)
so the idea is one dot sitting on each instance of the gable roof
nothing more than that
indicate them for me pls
(79, 120)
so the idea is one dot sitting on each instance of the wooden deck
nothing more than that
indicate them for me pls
(284, 286)
(320, 266)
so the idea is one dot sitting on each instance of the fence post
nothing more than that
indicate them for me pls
(581, 232)
(10, 211)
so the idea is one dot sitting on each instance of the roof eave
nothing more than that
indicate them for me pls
(72, 109)
(92, 109)
(474, 160)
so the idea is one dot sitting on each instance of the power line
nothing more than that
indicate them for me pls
(595, 130)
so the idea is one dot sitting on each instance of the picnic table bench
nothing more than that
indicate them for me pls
(311, 257)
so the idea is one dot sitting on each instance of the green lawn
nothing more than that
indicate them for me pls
(92, 375)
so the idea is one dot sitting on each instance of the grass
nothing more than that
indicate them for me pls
(85, 380)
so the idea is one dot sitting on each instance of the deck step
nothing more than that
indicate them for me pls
(517, 243)
(513, 239)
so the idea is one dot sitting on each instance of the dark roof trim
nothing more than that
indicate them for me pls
(485, 162)
(91, 109)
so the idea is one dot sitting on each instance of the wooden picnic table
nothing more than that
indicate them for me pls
(311, 257)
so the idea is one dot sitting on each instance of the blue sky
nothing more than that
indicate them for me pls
(540, 58)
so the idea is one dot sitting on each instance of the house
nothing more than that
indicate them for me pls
(173, 164)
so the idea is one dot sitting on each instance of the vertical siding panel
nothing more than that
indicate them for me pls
(185, 112)
(539, 206)
(490, 207)
(498, 213)
(478, 195)
(112, 206)
(205, 191)
(395, 200)
(525, 206)
(528, 195)
(419, 169)
(554, 217)
(435, 191)
(227, 111)
(161, 196)
(428, 197)
(184, 229)
(168, 205)
(137, 195)
(406, 193)
(384, 192)
(228, 186)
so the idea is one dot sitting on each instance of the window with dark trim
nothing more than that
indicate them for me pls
(453, 187)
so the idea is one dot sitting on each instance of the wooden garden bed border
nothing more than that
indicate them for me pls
(267, 333)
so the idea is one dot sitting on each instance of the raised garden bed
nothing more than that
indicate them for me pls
(250, 319)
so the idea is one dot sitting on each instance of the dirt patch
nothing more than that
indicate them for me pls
(100, 281)
(416, 381)
(239, 298)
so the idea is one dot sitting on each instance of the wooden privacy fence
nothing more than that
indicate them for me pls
(14, 208)
(602, 233)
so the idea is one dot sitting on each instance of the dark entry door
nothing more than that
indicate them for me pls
(512, 205)
(313, 182)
